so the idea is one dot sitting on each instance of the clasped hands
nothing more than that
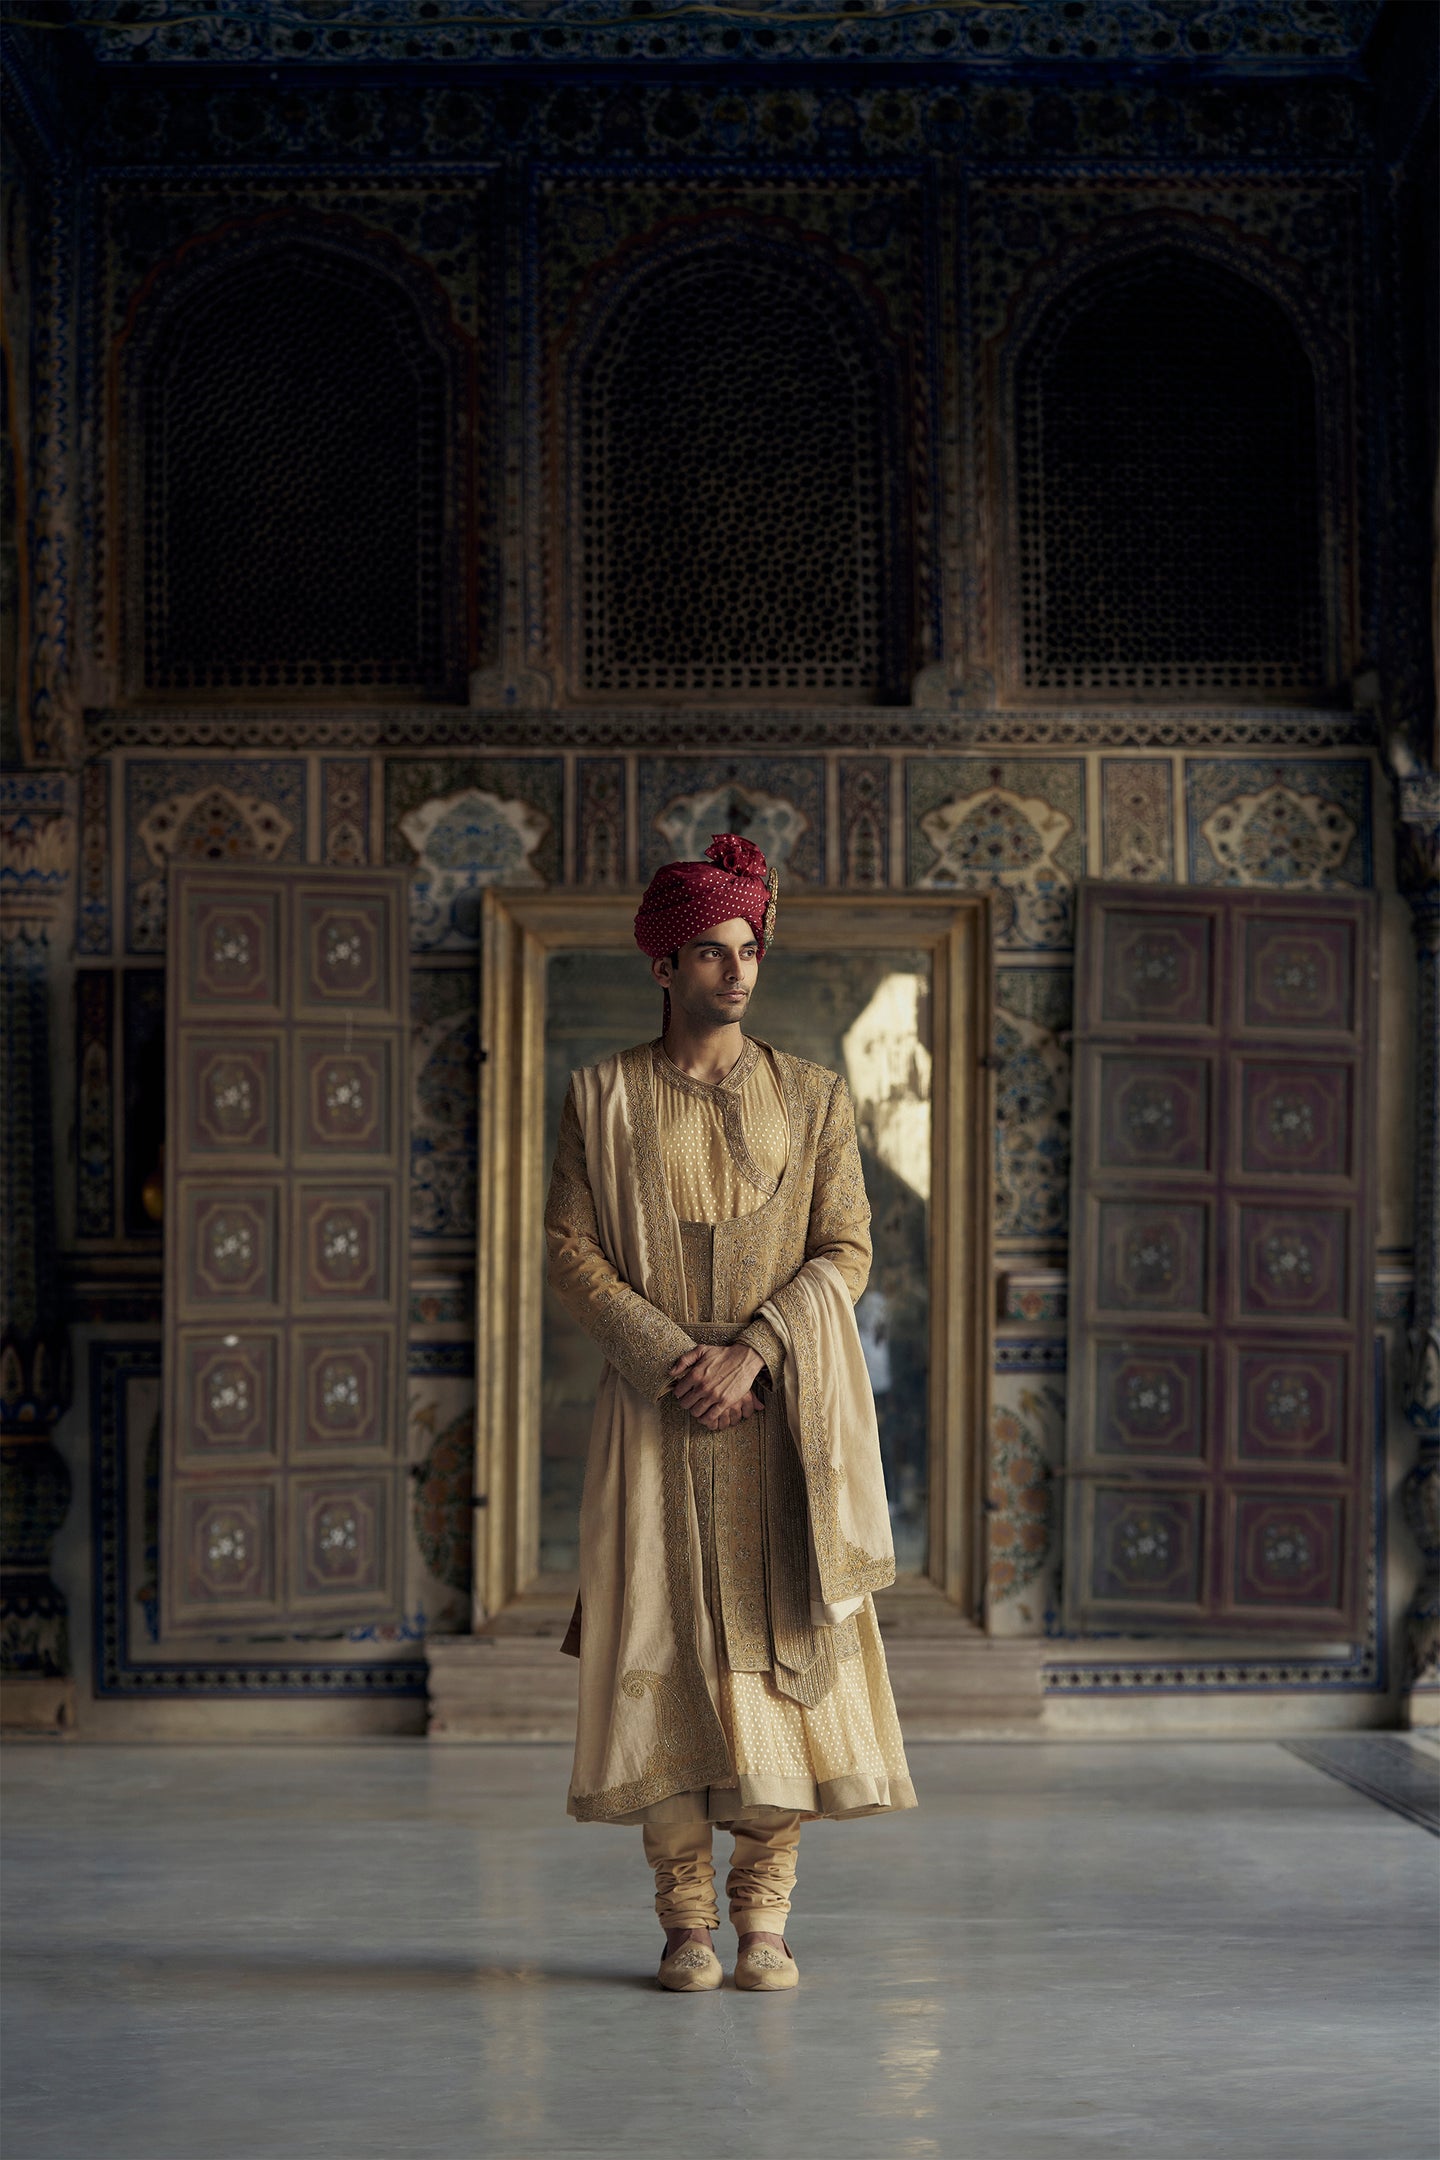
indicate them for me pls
(715, 1383)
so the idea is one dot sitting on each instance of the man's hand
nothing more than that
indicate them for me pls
(714, 1383)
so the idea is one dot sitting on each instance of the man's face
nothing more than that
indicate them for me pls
(713, 976)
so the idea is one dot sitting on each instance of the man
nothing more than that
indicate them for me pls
(707, 1225)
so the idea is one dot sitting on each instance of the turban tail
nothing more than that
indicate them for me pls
(686, 899)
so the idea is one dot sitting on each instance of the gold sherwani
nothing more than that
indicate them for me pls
(730, 1662)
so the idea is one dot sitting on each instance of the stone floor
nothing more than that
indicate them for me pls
(394, 1952)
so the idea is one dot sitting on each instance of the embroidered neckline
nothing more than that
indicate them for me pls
(735, 1079)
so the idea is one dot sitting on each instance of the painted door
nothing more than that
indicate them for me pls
(1220, 1400)
(285, 1246)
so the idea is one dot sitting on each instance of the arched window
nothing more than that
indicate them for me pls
(293, 418)
(736, 505)
(1167, 491)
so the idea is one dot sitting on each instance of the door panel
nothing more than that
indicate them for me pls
(282, 1437)
(1219, 1426)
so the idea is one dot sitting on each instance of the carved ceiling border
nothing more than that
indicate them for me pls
(756, 728)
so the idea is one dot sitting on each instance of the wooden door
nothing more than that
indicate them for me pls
(1220, 1403)
(285, 1247)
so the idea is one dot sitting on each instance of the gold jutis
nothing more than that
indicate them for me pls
(730, 1658)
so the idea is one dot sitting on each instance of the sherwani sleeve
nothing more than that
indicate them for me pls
(639, 1340)
(839, 1229)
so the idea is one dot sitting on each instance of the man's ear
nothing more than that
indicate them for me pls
(662, 971)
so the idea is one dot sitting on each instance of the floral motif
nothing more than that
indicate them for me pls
(339, 1388)
(232, 1095)
(340, 1242)
(1148, 1398)
(344, 947)
(1004, 841)
(344, 1091)
(1145, 1542)
(1286, 1550)
(1153, 963)
(1287, 1403)
(336, 1532)
(1021, 1511)
(1294, 977)
(229, 948)
(1149, 1113)
(1288, 1259)
(228, 1395)
(227, 1545)
(1291, 1120)
(463, 842)
(1150, 1259)
(232, 1244)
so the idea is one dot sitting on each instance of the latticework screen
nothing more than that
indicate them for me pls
(734, 497)
(1169, 523)
(295, 432)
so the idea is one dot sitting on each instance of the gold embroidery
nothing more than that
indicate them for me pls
(668, 1768)
(640, 1341)
(690, 1751)
(728, 1095)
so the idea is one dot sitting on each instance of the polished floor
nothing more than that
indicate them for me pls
(391, 1952)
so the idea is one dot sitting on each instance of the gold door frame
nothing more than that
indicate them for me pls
(519, 932)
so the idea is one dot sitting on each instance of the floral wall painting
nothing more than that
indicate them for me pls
(1014, 828)
(462, 843)
(1304, 824)
(770, 821)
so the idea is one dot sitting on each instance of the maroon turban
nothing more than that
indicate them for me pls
(686, 899)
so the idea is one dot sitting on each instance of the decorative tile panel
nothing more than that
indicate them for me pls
(285, 1252)
(1137, 822)
(345, 811)
(95, 1163)
(864, 821)
(779, 803)
(1219, 1297)
(1032, 1101)
(1303, 824)
(461, 823)
(600, 821)
(444, 1103)
(94, 929)
(1015, 827)
(220, 811)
